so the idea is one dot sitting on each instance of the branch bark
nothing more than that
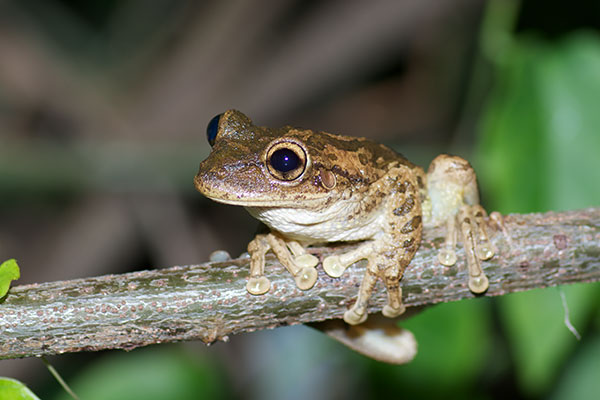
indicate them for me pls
(209, 301)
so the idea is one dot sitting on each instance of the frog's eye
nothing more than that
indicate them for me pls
(212, 129)
(286, 161)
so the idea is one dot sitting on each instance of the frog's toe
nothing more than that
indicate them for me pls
(306, 278)
(447, 257)
(478, 284)
(306, 261)
(392, 312)
(484, 251)
(333, 266)
(354, 317)
(258, 285)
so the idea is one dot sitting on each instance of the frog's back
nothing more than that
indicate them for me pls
(353, 157)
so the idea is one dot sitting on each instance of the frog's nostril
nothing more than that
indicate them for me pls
(212, 129)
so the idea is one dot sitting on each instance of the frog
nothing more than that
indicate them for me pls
(313, 188)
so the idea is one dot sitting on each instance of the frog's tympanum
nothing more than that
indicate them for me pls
(313, 187)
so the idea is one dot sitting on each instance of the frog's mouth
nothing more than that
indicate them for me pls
(253, 195)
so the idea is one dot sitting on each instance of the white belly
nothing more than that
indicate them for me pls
(340, 222)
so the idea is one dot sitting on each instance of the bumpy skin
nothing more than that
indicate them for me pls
(343, 189)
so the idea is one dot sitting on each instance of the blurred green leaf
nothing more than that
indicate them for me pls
(454, 341)
(164, 372)
(581, 378)
(509, 156)
(11, 389)
(9, 271)
(540, 341)
(540, 141)
(540, 133)
(570, 84)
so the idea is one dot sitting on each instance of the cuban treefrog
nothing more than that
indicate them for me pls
(313, 187)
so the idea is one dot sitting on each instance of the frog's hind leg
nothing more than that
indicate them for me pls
(469, 224)
(391, 253)
(335, 266)
(476, 243)
(471, 228)
(394, 271)
(454, 196)
(405, 225)
(390, 269)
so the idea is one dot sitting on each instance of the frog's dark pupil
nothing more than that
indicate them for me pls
(284, 160)
(212, 129)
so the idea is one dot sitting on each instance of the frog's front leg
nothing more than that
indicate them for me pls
(335, 265)
(454, 201)
(390, 252)
(292, 256)
(358, 312)
(258, 283)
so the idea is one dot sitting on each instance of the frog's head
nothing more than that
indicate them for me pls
(255, 166)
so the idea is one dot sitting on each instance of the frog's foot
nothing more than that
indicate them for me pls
(306, 278)
(394, 307)
(306, 261)
(447, 256)
(393, 312)
(258, 283)
(355, 316)
(335, 265)
(477, 244)
(306, 274)
(358, 312)
(296, 260)
(472, 230)
(498, 220)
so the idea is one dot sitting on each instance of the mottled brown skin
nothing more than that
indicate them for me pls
(343, 189)
(235, 171)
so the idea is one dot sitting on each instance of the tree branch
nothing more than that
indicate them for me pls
(210, 302)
